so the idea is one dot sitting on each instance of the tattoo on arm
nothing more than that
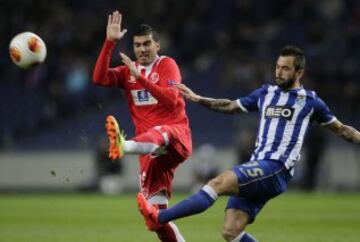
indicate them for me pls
(220, 105)
(350, 134)
(346, 132)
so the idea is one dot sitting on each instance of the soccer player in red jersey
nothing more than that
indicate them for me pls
(163, 136)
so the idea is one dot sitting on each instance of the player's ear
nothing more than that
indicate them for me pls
(299, 74)
(157, 45)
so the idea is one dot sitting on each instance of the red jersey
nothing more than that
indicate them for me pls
(153, 99)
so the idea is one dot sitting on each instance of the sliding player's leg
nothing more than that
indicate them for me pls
(256, 182)
(239, 213)
(224, 184)
(259, 181)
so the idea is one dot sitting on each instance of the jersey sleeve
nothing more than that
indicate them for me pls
(165, 91)
(103, 75)
(322, 114)
(169, 77)
(250, 102)
(169, 73)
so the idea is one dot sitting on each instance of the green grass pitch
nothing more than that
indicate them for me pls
(293, 217)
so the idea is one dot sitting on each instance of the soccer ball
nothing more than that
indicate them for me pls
(27, 50)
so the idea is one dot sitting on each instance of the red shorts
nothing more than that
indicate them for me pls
(157, 173)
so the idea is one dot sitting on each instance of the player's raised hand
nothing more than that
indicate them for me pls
(188, 93)
(129, 63)
(113, 29)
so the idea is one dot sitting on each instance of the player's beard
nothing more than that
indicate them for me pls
(285, 84)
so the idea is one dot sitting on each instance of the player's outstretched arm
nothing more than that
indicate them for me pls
(103, 75)
(218, 105)
(344, 131)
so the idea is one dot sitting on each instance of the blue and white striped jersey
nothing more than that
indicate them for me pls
(284, 119)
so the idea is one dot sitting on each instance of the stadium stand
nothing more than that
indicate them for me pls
(224, 48)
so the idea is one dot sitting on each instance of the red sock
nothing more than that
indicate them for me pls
(166, 234)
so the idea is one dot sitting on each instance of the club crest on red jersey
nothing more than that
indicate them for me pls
(154, 77)
(131, 79)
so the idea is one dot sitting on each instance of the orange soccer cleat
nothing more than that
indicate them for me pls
(149, 212)
(116, 138)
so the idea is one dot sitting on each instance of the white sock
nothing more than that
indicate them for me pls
(209, 190)
(158, 199)
(140, 148)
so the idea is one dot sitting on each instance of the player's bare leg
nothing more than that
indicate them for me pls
(234, 226)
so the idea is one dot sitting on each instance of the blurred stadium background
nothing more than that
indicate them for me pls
(52, 117)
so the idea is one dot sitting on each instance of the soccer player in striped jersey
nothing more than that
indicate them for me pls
(162, 133)
(286, 110)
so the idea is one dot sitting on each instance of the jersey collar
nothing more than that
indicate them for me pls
(292, 89)
(148, 68)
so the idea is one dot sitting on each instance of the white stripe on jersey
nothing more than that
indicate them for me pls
(289, 130)
(272, 127)
(295, 153)
(267, 100)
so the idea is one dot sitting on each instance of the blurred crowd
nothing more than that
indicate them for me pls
(224, 49)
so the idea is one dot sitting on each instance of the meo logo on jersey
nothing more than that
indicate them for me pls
(142, 97)
(279, 112)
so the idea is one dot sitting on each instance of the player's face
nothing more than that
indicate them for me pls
(145, 49)
(286, 75)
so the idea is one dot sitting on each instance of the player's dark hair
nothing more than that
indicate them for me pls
(297, 53)
(145, 29)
